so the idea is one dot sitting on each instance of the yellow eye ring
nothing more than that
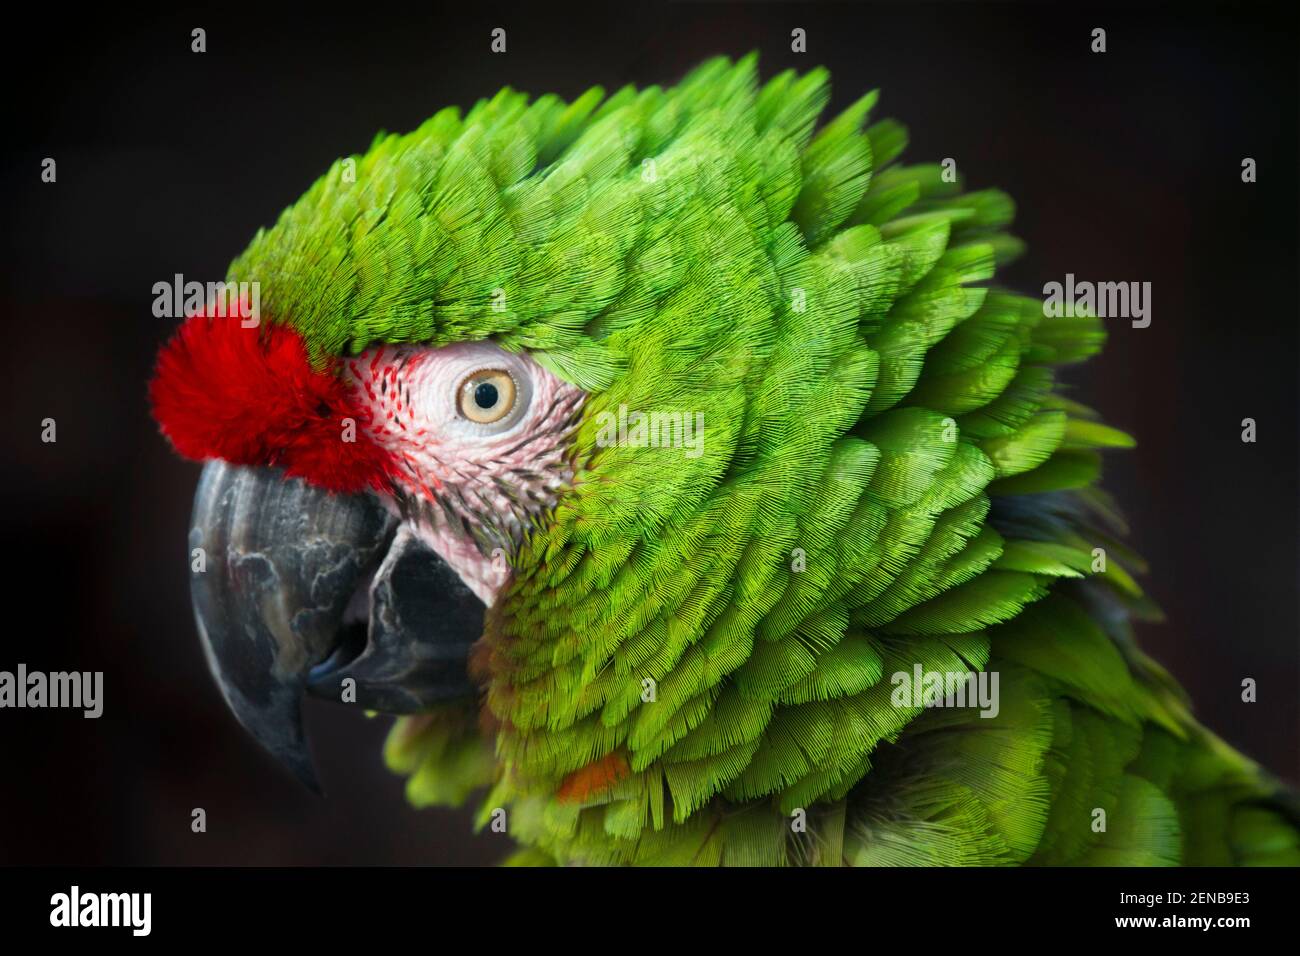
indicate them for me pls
(486, 396)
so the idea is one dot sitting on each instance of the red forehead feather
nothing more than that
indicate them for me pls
(251, 397)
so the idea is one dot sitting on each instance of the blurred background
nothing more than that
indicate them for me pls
(1125, 166)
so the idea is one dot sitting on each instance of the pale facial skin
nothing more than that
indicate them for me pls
(480, 436)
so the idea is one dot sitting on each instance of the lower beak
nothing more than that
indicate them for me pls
(301, 590)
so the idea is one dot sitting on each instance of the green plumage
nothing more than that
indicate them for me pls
(888, 478)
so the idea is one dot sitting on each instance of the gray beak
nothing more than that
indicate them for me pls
(299, 590)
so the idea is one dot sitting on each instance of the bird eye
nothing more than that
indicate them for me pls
(487, 396)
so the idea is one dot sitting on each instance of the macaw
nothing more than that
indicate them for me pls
(674, 467)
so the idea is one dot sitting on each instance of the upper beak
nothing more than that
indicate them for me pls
(302, 590)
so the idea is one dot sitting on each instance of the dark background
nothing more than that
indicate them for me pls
(1126, 166)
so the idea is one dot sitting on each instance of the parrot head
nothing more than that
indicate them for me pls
(360, 514)
(646, 434)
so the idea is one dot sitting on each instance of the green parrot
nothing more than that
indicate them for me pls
(675, 468)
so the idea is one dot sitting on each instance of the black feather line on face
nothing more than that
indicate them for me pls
(507, 490)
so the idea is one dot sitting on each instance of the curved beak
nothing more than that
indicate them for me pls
(296, 589)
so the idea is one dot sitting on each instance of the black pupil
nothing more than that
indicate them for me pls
(485, 395)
